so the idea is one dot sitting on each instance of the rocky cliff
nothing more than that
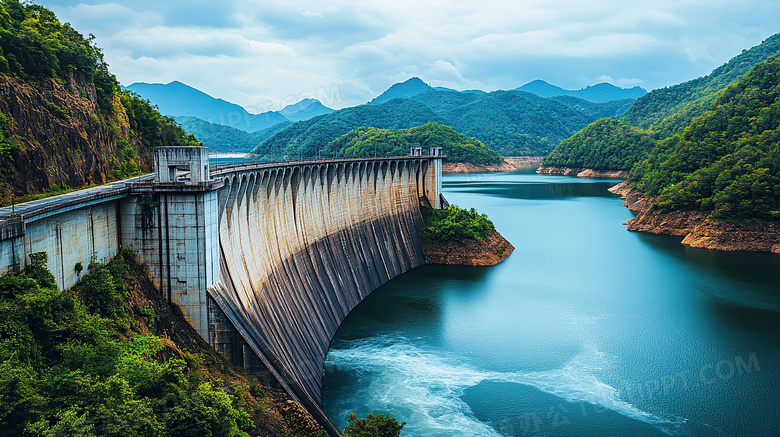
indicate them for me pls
(697, 227)
(63, 138)
(487, 252)
(510, 163)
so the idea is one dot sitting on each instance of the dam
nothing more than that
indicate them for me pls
(264, 260)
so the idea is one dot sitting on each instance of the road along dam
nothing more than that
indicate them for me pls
(264, 260)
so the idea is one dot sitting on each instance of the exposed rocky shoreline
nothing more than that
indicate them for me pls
(511, 163)
(697, 227)
(487, 252)
(583, 172)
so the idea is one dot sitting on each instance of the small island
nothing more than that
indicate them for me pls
(456, 236)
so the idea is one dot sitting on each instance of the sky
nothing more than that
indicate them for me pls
(265, 54)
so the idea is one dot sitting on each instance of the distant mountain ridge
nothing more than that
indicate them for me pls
(223, 126)
(509, 122)
(599, 93)
(178, 99)
(403, 90)
(225, 139)
(304, 110)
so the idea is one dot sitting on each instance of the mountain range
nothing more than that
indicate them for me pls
(599, 93)
(222, 126)
(535, 124)
(509, 122)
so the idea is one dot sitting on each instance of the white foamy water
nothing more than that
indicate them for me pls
(424, 388)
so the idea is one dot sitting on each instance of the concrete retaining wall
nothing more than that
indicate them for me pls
(83, 235)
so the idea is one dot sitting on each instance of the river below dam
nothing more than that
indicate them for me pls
(585, 330)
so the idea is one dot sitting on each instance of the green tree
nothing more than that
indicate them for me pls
(727, 160)
(373, 426)
(369, 141)
(67, 368)
(454, 224)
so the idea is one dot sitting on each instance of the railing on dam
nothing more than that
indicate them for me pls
(264, 259)
(221, 169)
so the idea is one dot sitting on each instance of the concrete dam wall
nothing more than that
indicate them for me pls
(265, 261)
(302, 246)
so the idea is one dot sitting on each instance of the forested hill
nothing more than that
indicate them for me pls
(64, 122)
(690, 99)
(307, 138)
(370, 141)
(509, 122)
(662, 113)
(606, 144)
(727, 161)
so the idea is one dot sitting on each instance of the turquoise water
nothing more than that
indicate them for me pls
(585, 330)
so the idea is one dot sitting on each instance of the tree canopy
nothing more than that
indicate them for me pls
(370, 141)
(509, 122)
(606, 144)
(660, 114)
(74, 363)
(55, 60)
(727, 160)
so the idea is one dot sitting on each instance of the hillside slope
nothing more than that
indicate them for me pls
(662, 112)
(403, 90)
(606, 144)
(63, 119)
(650, 110)
(112, 357)
(307, 138)
(728, 160)
(369, 141)
(717, 183)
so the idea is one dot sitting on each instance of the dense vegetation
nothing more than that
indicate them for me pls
(370, 141)
(76, 363)
(662, 112)
(307, 138)
(509, 122)
(112, 357)
(454, 224)
(373, 426)
(692, 98)
(82, 99)
(606, 144)
(514, 122)
(727, 160)
(34, 45)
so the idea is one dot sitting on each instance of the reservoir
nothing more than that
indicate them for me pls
(585, 330)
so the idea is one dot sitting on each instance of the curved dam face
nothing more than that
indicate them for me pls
(264, 261)
(301, 246)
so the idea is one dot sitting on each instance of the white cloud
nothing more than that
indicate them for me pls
(622, 82)
(254, 52)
